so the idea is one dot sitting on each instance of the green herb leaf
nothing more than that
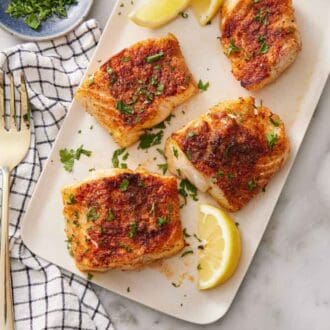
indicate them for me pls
(186, 188)
(175, 152)
(124, 108)
(71, 199)
(124, 185)
(132, 230)
(263, 45)
(163, 167)
(251, 185)
(111, 216)
(36, 11)
(272, 139)
(68, 157)
(232, 48)
(185, 234)
(203, 86)
(161, 221)
(260, 17)
(148, 140)
(155, 57)
(92, 214)
(276, 123)
(115, 157)
(184, 15)
(186, 253)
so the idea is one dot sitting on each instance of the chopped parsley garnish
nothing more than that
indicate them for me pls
(124, 108)
(199, 267)
(275, 122)
(132, 230)
(185, 234)
(232, 48)
(220, 173)
(186, 253)
(184, 15)
(191, 134)
(115, 157)
(71, 199)
(68, 157)
(230, 176)
(126, 59)
(263, 45)
(92, 214)
(163, 167)
(251, 185)
(161, 221)
(272, 139)
(112, 75)
(175, 153)
(126, 247)
(159, 89)
(148, 140)
(203, 86)
(155, 57)
(260, 17)
(110, 216)
(69, 247)
(186, 188)
(124, 185)
(175, 284)
(37, 11)
(89, 276)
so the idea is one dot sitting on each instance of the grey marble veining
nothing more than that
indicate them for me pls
(288, 284)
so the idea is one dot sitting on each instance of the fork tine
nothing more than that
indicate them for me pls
(25, 114)
(2, 102)
(12, 102)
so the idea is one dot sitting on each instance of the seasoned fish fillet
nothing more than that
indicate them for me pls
(122, 219)
(231, 152)
(138, 88)
(260, 38)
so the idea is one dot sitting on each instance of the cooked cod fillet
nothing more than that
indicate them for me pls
(122, 219)
(138, 88)
(231, 152)
(260, 38)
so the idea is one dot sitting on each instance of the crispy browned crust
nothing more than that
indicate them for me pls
(250, 26)
(229, 147)
(152, 90)
(110, 228)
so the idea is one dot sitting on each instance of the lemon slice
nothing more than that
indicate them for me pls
(155, 13)
(205, 10)
(222, 247)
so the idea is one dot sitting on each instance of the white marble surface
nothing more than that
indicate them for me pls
(288, 284)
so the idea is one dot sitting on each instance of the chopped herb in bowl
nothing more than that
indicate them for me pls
(35, 12)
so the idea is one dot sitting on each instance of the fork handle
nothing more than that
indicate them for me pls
(6, 297)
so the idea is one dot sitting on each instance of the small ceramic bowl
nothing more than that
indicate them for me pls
(52, 28)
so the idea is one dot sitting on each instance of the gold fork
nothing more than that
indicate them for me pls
(14, 144)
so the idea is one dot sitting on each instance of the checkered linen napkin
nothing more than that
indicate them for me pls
(45, 296)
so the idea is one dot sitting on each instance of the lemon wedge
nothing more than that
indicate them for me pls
(205, 10)
(155, 13)
(218, 260)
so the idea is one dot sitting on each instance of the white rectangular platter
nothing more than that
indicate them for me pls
(294, 97)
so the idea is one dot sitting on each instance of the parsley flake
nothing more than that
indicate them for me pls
(124, 185)
(68, 157)
(155, 57)
(132, 230)
(203, 86)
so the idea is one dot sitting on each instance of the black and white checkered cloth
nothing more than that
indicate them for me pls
(45, 296)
